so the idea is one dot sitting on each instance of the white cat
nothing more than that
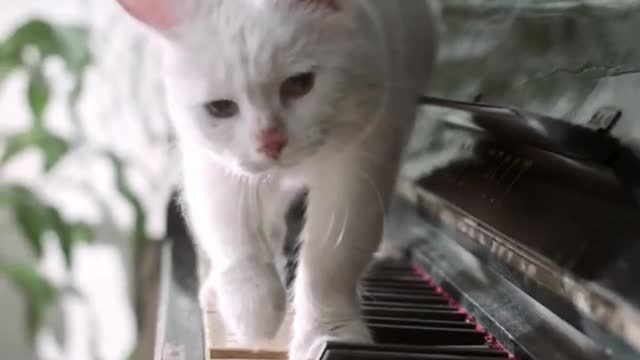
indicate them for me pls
(266, 94)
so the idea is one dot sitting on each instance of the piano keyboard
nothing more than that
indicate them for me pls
(409, 316)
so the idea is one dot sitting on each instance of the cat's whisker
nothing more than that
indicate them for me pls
(330, 227)
(375, 189)
(339, 321)
(255, 204)
(342, 232)
(243, 199)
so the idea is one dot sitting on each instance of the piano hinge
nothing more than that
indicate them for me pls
(605, 119)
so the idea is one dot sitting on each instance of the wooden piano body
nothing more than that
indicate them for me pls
(526, 248)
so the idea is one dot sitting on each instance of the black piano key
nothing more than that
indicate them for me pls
(419, 314)
(397, 283)
(394, 274)
(424, 336)
(394, 278)
(462, 352)
(400, 305)
(406, 305)
(377, 355)
(396, 268)
(391, 265)
(406, 293)
(404, 298)
(415, 322)
(400, 289)
(389, 273)
(415, 290)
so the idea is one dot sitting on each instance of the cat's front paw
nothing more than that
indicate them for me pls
(310, 339)
(252, 301)
(390, 250)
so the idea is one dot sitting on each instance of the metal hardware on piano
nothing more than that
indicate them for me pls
(531, 244)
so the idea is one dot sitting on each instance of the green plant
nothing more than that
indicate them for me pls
(27, 50)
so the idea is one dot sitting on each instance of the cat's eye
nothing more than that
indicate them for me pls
(222, 109)
(297, 86)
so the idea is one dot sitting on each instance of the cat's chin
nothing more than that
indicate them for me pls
(252, 168)
(264, 168)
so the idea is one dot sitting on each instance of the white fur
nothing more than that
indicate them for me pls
(372, 59)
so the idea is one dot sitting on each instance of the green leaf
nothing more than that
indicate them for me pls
(30, 215)
(74, 40)
(17, 144)
(54, 149)
(77, 58)
(63, 232)
(38, 94)
(35, 218)
(35, 33)
(6, 195)
(38, 293)
(68, 234)
(71, 43)
(33, 224)
(81, 232)
(9, 194)
(134, 354)
(8, 65)
(139, 232)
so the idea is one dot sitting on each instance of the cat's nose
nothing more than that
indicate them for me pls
(271, 142)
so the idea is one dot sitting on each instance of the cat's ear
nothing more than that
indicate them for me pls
(160, 15)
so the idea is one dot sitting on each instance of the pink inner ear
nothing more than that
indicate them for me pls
(158, 14)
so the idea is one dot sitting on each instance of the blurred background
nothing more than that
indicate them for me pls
(86, 167)
(85, 176)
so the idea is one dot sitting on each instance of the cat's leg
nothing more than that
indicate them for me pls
(349, 195)
(224, 216)
(276, 203)
(399, 233)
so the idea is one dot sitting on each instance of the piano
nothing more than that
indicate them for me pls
(523, 247)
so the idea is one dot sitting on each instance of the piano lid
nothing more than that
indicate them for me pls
(553, 207)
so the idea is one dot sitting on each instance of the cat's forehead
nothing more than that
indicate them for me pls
(250, 49)
(244, 55)
(251, 42)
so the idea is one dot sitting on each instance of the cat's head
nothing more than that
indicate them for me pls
(263, 84)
